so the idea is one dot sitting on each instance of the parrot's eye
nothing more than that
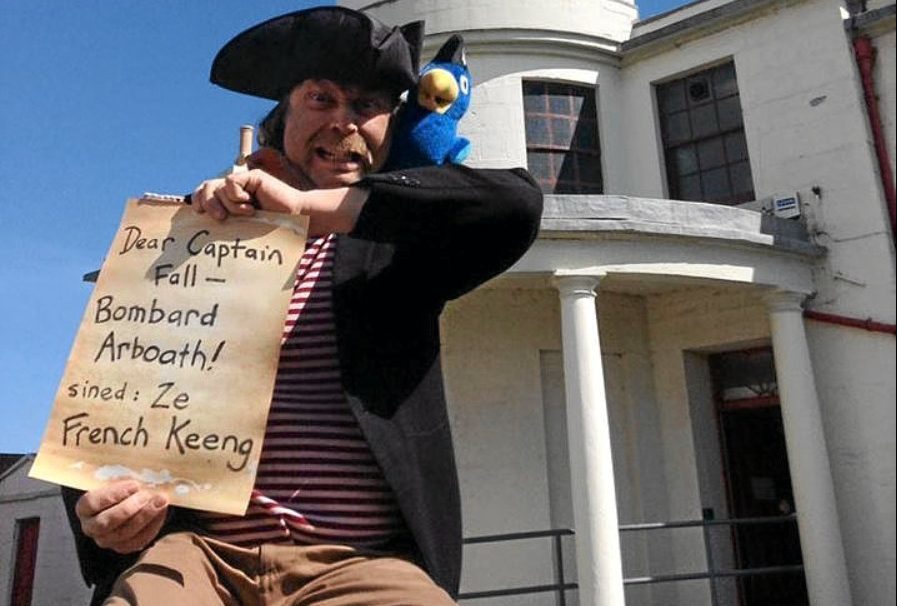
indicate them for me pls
(465, 84)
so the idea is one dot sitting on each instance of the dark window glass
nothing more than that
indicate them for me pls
(537, 131)
(677, 128)
(736, 147)
(703, 121)
(562, 142)
(724, 83)
(710, 153)
(716, 184)
(703, 137)
(742, 183)
(729, 113)
(686, 159)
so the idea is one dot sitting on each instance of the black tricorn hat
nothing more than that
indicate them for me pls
(329, 42)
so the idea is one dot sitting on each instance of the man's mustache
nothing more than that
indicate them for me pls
(347, 147)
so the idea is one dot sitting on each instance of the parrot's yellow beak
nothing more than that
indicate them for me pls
(437, 90)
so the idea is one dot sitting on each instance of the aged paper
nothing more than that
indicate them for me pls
(170, 377)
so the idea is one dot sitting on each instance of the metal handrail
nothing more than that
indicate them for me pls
(560, 586)
(712, 574)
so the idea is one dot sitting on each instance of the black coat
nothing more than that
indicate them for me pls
(424, 237)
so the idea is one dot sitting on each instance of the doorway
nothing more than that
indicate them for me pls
(756, 474)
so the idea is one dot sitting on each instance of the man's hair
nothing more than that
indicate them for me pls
(270, 132)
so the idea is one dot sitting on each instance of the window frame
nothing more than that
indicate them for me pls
(735, 160)
(568, 160)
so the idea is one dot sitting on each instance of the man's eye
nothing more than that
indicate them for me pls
(370, 106)
(319, 97)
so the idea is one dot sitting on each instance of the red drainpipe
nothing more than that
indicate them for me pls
(865, 56)
(866, 324)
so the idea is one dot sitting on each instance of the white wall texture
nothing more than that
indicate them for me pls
(57, 578)
(609, 18)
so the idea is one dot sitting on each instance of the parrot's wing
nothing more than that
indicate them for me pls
(459, 151)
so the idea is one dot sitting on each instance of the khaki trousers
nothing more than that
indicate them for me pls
(186, 569)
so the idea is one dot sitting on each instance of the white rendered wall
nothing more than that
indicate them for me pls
(785, 59)
(856, 383)
(491, 343)
(680, 323)
(57, 578)
(494, 341)
(806, 126)
(607, 18)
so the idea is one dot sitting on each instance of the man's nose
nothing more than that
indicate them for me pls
(346, 119)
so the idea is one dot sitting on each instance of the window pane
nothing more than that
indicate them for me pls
(716, 185)
(586, 108)
(538, 164)
(677, 128)
(742, 181)
(671, 97)
(710, 153)
(736, 147)
(724, 83)
(533, 88)
(730, 113)
(685, 160)
(537, 131)
(586, 136)
(589, 168)
(534, 104)
(559, 103)
(703, 121)
(561, 132)
(688, 188)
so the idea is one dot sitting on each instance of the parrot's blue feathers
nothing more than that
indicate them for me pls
(459, 151)
(427, 129)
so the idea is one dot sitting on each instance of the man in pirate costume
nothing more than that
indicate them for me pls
(356, 499)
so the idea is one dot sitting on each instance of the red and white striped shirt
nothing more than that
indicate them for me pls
(317, 480)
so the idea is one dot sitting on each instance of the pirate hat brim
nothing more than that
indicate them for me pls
(333, 43)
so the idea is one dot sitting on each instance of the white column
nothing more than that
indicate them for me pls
(811, 477)
(598, 560)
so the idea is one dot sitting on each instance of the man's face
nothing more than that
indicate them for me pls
(334, 135)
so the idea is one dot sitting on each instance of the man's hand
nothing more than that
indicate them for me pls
(238, 194)
(122, 516)
(330, 210)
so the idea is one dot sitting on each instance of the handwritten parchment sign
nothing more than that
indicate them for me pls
(170, 377)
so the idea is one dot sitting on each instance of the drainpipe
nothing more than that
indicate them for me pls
(865, 57)
(866, 324)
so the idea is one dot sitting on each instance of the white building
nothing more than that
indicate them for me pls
(38, 564)
(653, 360)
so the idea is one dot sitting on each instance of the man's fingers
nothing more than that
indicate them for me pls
(94, 501)
(108, 524)
(146, 534)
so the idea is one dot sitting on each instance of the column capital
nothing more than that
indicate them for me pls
(576, 284)
(784, 300)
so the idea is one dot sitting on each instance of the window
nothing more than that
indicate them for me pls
(27, 531)
(703, 137)
(562, 150)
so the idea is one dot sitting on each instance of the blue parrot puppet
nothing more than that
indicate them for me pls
(427, 129)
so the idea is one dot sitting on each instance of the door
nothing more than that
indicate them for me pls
(758, 482)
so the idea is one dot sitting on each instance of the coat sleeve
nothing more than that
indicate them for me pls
(455, 227)
(98, 566)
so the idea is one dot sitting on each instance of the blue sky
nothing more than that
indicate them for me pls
(100, 100)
